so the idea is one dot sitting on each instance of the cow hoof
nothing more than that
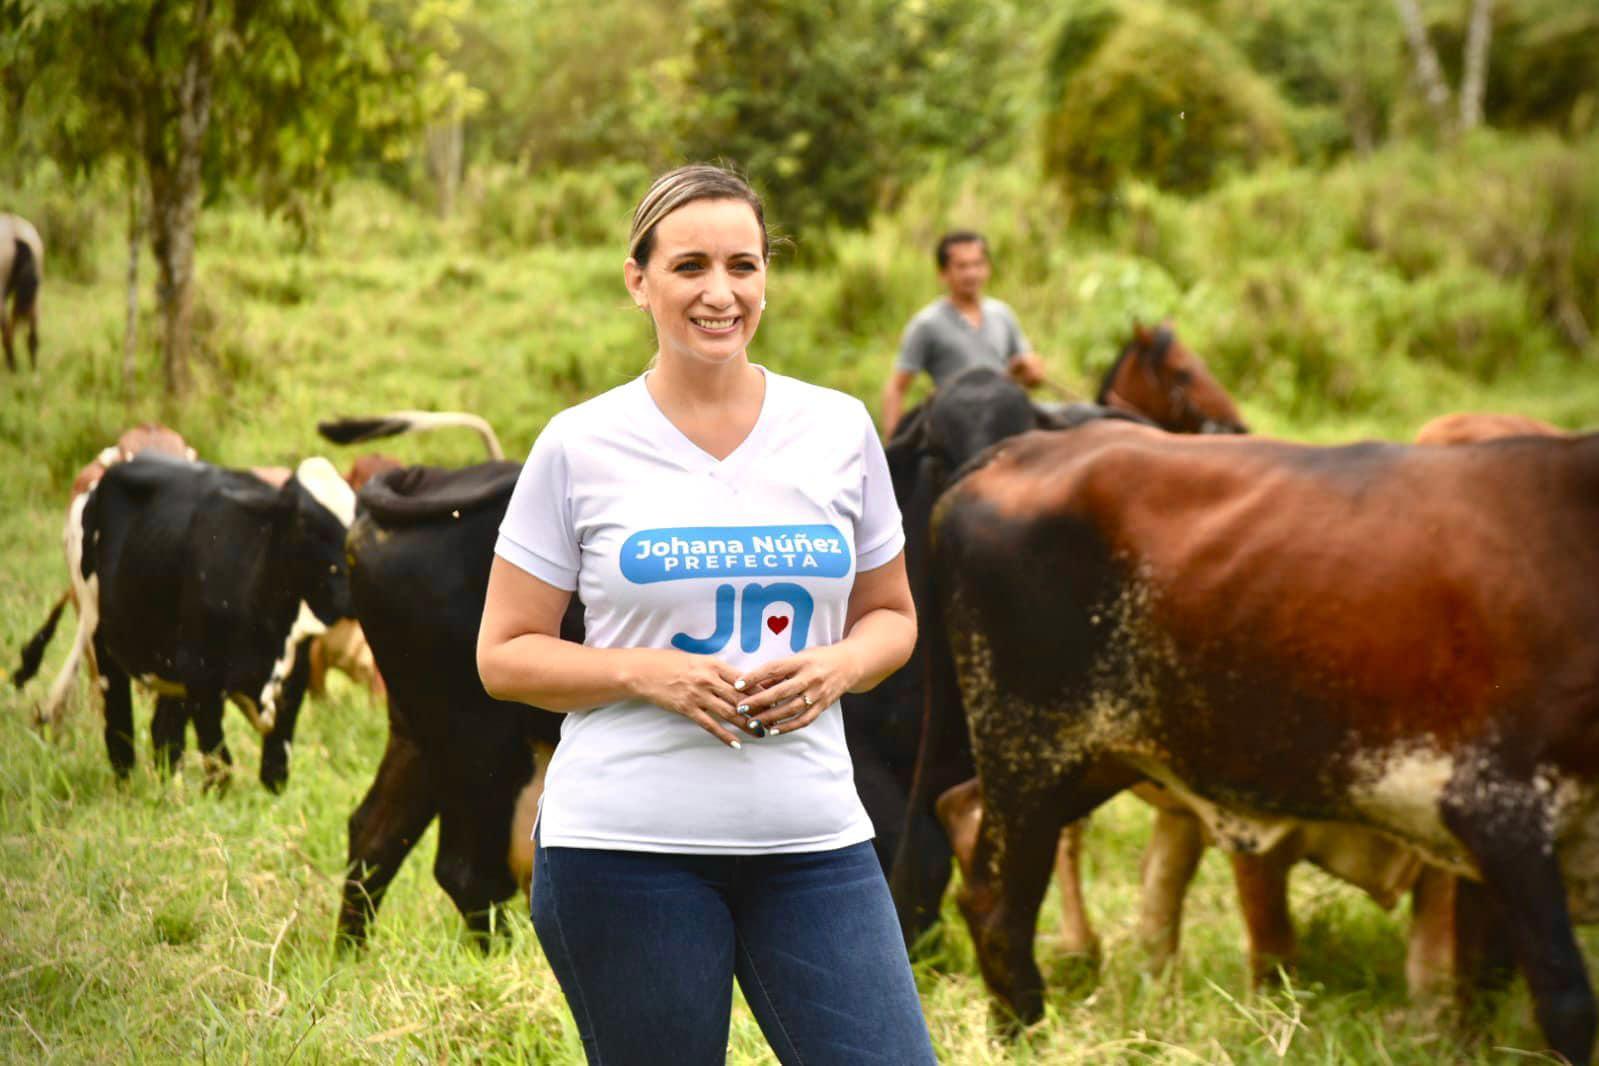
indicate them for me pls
(275, 775)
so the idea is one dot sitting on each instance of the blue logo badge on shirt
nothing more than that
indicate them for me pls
(686, 552)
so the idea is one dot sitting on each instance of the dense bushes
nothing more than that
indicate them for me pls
(1163, 98)
(1357, 289)
(511, 209)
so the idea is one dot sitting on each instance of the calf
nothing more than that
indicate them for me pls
(203, 584)
(1386, 636)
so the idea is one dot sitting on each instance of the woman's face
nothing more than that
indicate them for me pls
(704, 281)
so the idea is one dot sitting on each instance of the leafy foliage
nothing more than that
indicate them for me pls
(832, 107)
(569, 85)
(1163, 98)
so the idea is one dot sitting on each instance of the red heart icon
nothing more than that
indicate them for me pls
(777, 623)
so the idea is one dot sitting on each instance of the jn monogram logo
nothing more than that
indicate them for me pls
(755, 600)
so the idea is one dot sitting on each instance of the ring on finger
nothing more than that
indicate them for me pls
(807, 700)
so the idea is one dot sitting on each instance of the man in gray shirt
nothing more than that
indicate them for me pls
(959, 330)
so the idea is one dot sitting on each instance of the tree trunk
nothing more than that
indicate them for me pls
(444, 147)
(175, 203)
(1428, 71)
(130, 332)
(1475, 78)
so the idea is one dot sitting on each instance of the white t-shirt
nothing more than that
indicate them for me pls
(749, 558)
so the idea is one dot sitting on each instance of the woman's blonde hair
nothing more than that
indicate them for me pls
(685, 185)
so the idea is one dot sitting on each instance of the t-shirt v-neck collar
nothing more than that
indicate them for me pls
(689, 454)
(960, 316)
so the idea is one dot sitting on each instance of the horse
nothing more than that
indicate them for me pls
(1157, 377)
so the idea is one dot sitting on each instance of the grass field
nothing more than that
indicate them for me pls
(157, 922)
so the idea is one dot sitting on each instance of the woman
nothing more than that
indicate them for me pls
(733, 536)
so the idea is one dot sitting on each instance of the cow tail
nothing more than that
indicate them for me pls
(939, 694)
(24, 280)
(33, 651)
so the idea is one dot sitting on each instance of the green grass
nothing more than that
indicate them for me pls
(156, 922)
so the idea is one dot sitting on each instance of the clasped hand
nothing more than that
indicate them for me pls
(778, 697)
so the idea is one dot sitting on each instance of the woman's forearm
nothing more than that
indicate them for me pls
(560, 675)
(880, 642)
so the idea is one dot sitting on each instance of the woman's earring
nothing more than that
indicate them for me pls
(763, 303)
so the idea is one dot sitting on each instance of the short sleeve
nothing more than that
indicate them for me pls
(913, 348)
(1019, 344)
(879, 534)
(538, 534)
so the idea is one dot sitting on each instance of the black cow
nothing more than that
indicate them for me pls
(884, 726)
(205, 584)
(419, 552)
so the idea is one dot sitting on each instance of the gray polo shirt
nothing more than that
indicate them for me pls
(942, 342)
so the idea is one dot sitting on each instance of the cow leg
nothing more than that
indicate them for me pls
(1262, 882)
(523, 818)
(383, 829)
(472, 865)
(276, 745)
(1016, 842)
(1077, 936)
(1521, 877)
(167, 729)
(1484, 960)
(960, 812)
(1176, 844)
(33, 333)
(1430, 948)
(207, 713)
(114, 686)
(7, 327)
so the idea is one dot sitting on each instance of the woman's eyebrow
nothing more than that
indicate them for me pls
(695, 253)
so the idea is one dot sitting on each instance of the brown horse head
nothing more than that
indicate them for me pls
(1157, 377)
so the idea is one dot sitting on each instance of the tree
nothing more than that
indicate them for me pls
(1155, 94)
(1429, 72)
(270, 98)
(832, 106)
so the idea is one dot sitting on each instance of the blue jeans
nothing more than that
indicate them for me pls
(646, 947)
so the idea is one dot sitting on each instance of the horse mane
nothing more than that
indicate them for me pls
(1153, 355)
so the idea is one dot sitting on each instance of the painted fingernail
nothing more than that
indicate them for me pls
(744, 708)
(757, 728)
(735, 745)
(738, 686)
(772, 732)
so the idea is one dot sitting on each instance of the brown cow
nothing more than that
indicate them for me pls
(1389, 636)
(1467, 427)
(1158, 378)
(149, 438)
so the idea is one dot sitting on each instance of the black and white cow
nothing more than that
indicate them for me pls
(204, 585)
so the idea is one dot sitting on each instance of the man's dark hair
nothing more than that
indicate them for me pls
(954, 237)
